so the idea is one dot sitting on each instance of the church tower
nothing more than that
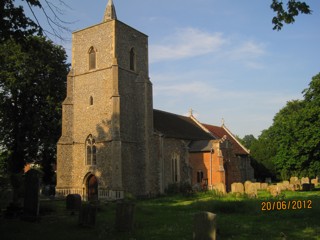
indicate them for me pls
(107, 116)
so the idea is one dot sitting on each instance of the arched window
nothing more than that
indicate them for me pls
(91, 151)
(92, 58)
(132, 59)
(91, 100)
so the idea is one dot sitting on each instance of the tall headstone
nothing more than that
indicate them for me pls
(31, 197)
(205, 226)
(87, 215)
(124, 216)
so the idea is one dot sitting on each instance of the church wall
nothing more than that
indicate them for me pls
(201, 162)
(100, 37)
(135, 109)
(175, 148)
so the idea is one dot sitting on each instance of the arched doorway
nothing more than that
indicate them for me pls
(92, 187)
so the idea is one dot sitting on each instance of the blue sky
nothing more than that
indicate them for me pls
(220, 58)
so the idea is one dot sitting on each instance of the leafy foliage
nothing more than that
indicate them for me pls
(287, 15)
(14, 23)
(291, 146)
(32, 87)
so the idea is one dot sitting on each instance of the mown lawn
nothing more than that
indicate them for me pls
(172, 218)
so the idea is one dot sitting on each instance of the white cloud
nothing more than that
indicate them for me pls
(191, 89)
(248, 53)
(185, 43)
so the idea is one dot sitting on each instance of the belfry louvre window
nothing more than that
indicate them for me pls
(91, 151)
(92, 58)
(132, 59)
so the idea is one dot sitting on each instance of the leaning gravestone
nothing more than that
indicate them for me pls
(87, 215)
(31, 197)
(124, 216)
(205, 226)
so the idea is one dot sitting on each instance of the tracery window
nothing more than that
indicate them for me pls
(175, 168)
(91, 151)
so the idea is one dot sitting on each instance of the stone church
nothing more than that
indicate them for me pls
(113, 142)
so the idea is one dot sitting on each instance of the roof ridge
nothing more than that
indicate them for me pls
(232, 135)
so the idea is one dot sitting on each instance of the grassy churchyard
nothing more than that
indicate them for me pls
(292, 215)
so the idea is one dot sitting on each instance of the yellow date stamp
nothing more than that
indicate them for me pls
(286, 205)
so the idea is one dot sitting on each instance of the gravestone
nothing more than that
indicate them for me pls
(205, 226)
(305, 180)
(220, 188)
(296, 182)
(246, 184)
(274, 190)
(251, 189)
(315, 181)
(124, 216)
(264, 186)
(285, 183)
(87, 215)
(237, 188)
(31, 197)
(73, 202)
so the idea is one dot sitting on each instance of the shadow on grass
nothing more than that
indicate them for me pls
(172, 218)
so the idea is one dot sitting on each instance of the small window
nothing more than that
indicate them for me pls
(91, 151)
(91, 100)
(175, 168)
(132, 59)
(92, 58)
(199, 176)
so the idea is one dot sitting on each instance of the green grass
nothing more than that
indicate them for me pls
(238, 217)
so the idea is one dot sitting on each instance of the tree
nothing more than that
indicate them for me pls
(32, 87)
(261, 153)
(294, 137)
(287, 15)
(16, 25)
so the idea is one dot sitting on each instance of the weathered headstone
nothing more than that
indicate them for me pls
(296, 182)
(285, 183)
(274, 190)
(237, 188)
(246, 184)
(315, 181)
(31, 197)
(305, 180)
(124, 216)
(220, 188)
(73, 202)
(251, 189)
(87, 215)
(205, 226)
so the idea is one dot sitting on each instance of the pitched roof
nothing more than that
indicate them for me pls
(200, 146)
(177, 126)
(220, 132)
